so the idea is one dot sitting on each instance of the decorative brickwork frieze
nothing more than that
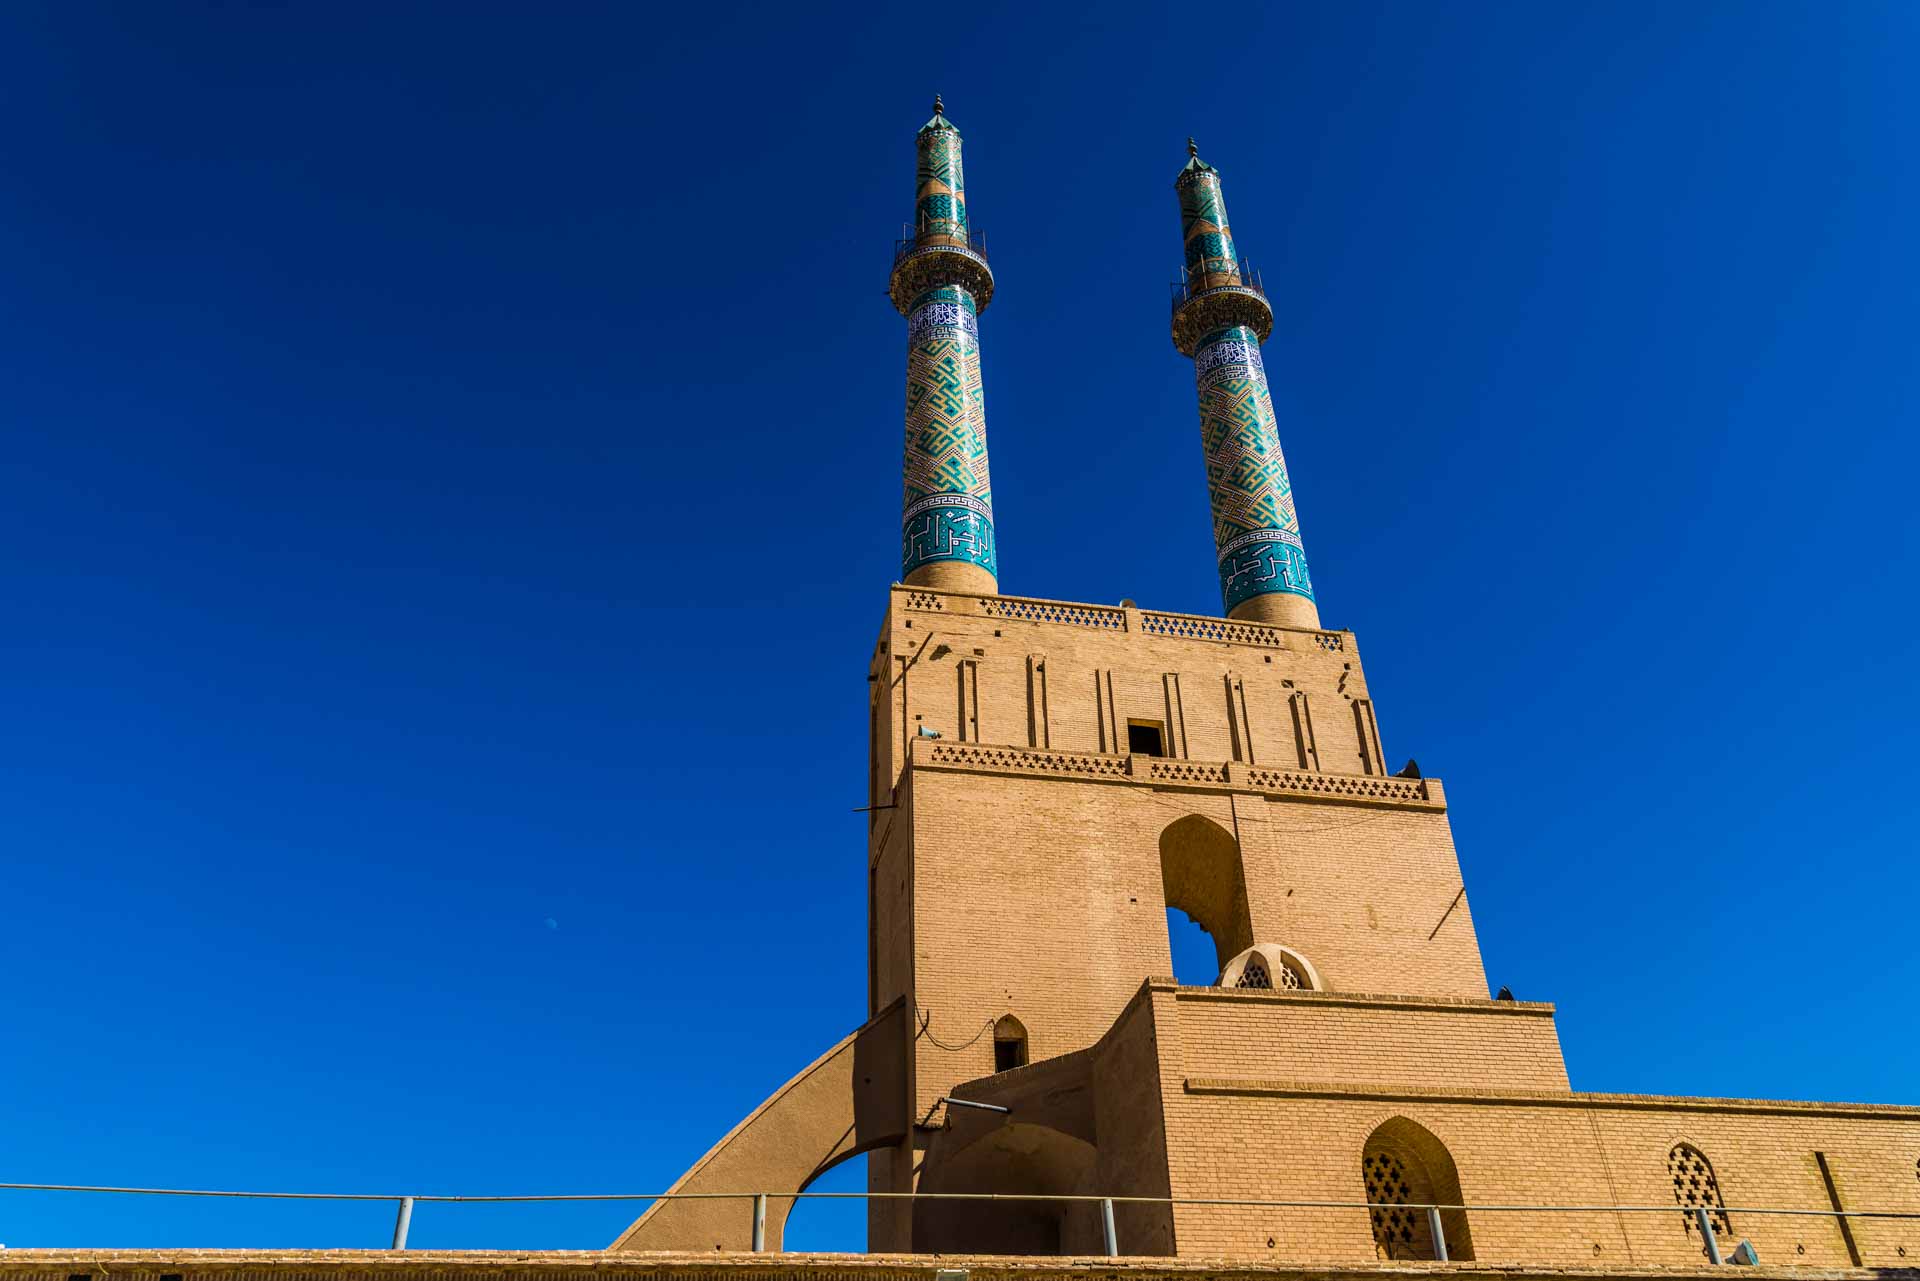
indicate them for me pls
(1053, 611)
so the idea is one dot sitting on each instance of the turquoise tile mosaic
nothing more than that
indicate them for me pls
(1256, 532)
(941, 286)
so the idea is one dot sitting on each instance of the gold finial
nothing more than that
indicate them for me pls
(1193, 151)
(937, 108)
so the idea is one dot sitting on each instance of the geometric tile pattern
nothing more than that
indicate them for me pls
(940, 201)
(948, 505)
(1694, 1187)
(1203, 222)
(1255, 529)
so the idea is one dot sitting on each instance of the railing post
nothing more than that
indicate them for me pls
(402, 1222)
(759, 1222)
(1706, 1232)
(1439, 1233)
(1106, 1225)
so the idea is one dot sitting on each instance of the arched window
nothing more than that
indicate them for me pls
(1404, 1169)
(1200, 875)
(1009, 1044)
(1695, 1188)
(1270, 967)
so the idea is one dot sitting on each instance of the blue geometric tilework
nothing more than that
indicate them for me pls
(940, 197)
(1254, 525)
(948, 508)
(1203, 225)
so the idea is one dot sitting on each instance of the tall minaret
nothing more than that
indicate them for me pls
(1220, 318)
(941, 284)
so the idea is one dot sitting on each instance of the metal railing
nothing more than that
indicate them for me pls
(976, 242)
(1188, 285)
(1702, 1216)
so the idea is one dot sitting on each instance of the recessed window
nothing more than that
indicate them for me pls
(1146, 738)
(1009, 1044)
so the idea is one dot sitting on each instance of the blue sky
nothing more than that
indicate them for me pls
(430, 430)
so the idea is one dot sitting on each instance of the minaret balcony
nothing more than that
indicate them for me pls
(928, 258)
(1210, 300)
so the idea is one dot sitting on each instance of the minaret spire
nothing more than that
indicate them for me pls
(1220, 318)
(941, 284)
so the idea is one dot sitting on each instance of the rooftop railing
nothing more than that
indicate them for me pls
(1699, 1218)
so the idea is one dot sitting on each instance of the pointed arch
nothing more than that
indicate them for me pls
(1009, 1044)
(1201, 874)
(1696, 1188)
(1014, 1158)
(1405, 1167)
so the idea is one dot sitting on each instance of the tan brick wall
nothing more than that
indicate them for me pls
(1253, 1112)
(1081, 658)
(1488, 1045)
(1042, 896)
(1029, 881)
(1307, 1146)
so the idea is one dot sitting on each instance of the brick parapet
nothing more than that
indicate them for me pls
(1124, 618)
(1371, 1000)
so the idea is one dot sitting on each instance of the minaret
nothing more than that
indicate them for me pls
(1220, 318)
(941, 284)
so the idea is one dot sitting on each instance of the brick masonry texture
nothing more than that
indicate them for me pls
(1026, 869)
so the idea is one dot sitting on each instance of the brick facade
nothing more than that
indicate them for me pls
(1050, 777)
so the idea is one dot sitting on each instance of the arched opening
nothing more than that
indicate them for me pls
(1696, 1188)
(1195, 960)
(1201, 876)
(836, 1225)
(1404, 1168)
(1012, 1159)
(1009, 1044)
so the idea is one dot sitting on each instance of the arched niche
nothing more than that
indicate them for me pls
(1403, 1164)
(1009, 1160)
(1009, 1044)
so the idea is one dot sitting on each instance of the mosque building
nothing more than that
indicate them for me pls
(1047, 778)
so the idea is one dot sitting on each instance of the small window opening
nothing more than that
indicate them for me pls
(1009, 1044)
(1146, 738)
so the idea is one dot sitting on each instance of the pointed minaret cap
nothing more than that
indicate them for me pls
(1194, 163)
(939, 120)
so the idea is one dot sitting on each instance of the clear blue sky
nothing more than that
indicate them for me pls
(427, 430)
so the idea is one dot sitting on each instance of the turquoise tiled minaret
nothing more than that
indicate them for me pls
(1220, 318)
(941, 284)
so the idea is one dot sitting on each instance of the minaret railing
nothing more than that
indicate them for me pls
(1190, 284)
(912, 238)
